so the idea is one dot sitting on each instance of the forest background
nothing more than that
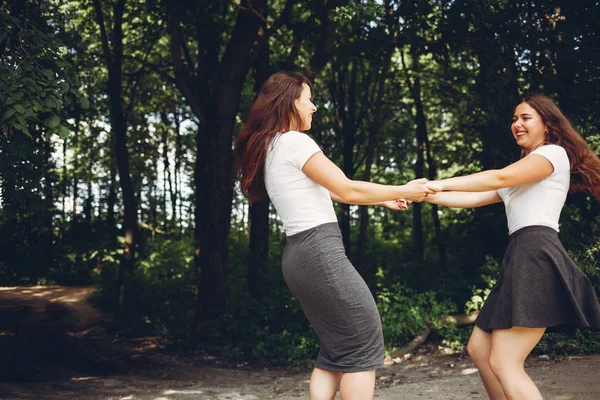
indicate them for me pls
(117, 120)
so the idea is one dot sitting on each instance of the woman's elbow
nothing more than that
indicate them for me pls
(348, 194)
(500, 180)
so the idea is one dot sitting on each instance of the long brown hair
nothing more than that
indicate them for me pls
(273, 111)
(585, 165)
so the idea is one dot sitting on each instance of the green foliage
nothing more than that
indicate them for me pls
(161, 295)
(60, 205)
(578, 342)
(36, 82)
(405, 313)
(489, 272)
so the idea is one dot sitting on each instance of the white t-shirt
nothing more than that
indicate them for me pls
(539, 203)
(300, 202)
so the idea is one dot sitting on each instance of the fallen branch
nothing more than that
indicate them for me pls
(462, 319)
(413, 344)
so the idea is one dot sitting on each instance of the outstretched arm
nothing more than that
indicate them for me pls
(398, 204)
(530, 169)
(464, 199)
(324, 172)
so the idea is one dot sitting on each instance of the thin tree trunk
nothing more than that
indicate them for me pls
(65, 187)
(75, 168)
(259, 210)
(114, 60)
(178, 201)
(168, 176)
(420, 133)
(432, 172)
(374, 131)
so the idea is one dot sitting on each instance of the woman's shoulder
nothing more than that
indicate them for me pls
(555, 153)
(293, 135)
(551, 149)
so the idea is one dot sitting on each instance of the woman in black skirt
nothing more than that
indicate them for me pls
(539, 288)
(275, 157)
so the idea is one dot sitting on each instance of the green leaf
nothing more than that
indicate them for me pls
(21, 120)
(83, 102)
(52, 121)
(23, 129)
(7, 114)
(36, 105)
(50, 101)
(20, 109)
(28, 82)
(63, 132)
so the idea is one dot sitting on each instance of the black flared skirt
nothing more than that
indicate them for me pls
(540, 287)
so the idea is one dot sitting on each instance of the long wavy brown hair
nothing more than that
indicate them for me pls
(585, 165)
(273, 111)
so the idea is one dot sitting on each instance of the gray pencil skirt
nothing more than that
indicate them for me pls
(335, 299)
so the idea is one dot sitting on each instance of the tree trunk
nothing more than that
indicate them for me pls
(259, 243)
(114, 59)
(432, 172)
(65, 188)
(177, 200)
(374, 131)
(212, 259)
(259, 210)
(75, 168)
(421, 133)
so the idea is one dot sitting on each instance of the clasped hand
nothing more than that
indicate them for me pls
(417, 190)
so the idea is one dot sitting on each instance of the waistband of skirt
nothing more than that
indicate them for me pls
(534, 230)
(326, 227)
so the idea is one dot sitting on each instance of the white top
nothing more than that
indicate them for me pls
(539, 203)
(300, 202)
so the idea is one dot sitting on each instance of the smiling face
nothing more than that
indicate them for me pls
(528, 128)
(305, 107)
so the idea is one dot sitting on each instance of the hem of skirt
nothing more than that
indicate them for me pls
(559, 327)
(334, 368)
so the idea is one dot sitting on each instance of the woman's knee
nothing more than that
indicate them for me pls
(478, 350)
(504, 367)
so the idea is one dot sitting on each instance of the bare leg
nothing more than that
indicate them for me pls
(358, 385)
(323, 384)
(509, 349)
(479, 350)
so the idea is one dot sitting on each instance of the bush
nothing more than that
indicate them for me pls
(405, 313)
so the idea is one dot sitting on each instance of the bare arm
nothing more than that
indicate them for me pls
(530, 169)
(398, 204)
(324, 172)
(464, 199)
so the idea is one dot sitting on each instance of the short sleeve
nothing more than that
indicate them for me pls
(502, 192)
(555, 154)
(299, 148)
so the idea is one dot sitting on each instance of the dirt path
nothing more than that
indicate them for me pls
(53, 346)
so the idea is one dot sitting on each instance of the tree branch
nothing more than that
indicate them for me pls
(326, 44)
(103, 34)
(183, 79)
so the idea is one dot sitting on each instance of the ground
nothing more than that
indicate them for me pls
(54, 346)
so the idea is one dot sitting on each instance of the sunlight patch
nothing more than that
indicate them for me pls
(83, 378)
(468, 371)
(171, 391)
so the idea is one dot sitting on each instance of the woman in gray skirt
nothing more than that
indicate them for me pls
(275, 157)
(539, 288)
